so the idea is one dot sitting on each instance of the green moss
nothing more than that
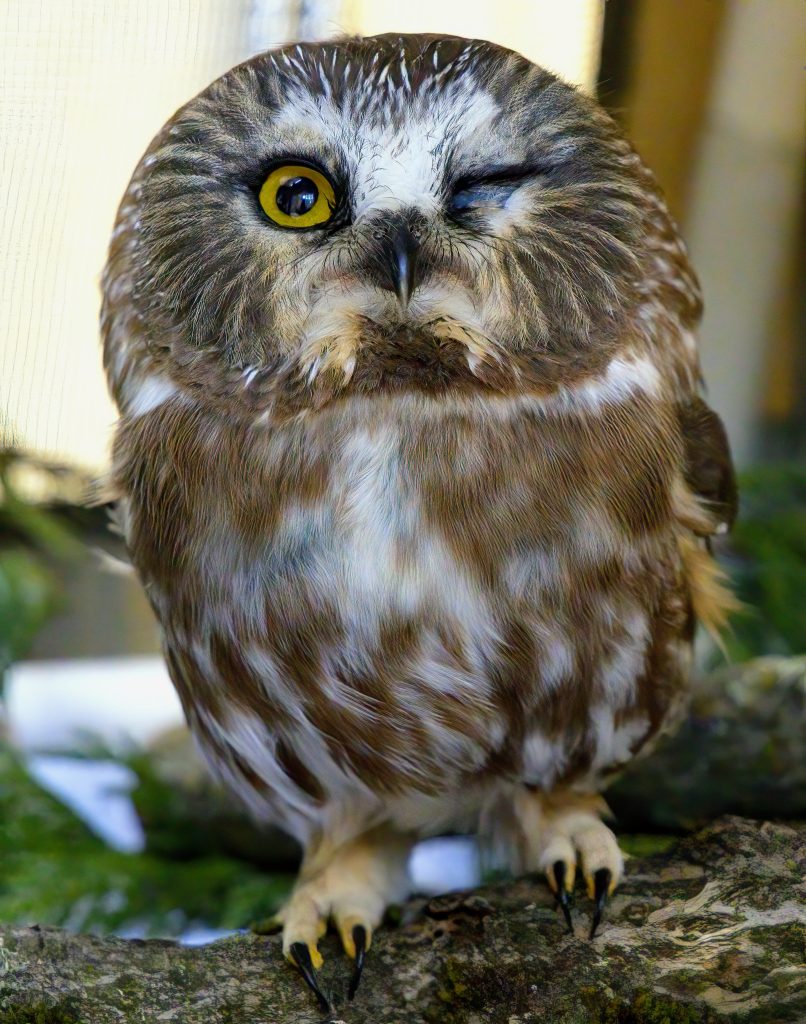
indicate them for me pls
(641, 845)
(41, 1013)
(472, 991)
(789, 946)
(177, 975)
(642, 1008)
(466, 989)
(648, 1008)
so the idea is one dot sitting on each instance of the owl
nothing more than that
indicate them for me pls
(412, 460)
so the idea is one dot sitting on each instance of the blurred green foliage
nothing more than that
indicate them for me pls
(56, 871)
(766, 562)
(31, 539)
(28, 596)
(188, 815)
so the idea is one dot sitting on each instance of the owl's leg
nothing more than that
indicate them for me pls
(352, 885)
(562, 828)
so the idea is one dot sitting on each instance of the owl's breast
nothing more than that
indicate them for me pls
(405, 595)
(535, 559)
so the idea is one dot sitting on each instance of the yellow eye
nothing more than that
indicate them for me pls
(295, 196)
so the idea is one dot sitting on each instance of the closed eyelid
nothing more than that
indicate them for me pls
(503, 176)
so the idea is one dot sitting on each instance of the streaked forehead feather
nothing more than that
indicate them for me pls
(387, 69)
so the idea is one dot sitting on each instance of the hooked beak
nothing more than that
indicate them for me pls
(400, 256)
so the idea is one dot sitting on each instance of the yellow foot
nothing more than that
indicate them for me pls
(352, 886)
(565, 829)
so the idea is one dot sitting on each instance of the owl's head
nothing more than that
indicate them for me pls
(412, 209)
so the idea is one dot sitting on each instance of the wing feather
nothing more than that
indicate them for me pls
(709, 468)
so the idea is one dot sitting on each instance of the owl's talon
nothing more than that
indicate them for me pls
(561, 892)
(602, 882)
(300, 953)
(568, 832)
(360, 943)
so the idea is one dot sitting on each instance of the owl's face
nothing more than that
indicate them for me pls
(337, 206)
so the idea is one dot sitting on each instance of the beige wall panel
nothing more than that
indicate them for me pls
(669, 81)
(745, 204)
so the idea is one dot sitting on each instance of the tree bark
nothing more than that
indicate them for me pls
(712, 929)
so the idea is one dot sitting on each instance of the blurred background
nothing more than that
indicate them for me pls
(107, 822)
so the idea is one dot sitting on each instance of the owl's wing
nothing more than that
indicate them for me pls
(709, 468)
(110, 544)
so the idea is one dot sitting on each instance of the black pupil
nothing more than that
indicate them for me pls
(296, 196)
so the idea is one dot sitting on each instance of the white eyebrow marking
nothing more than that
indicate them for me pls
(393, 165)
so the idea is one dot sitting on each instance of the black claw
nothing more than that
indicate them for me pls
(601, 884)
(302, 958)
(562, 895)
(360, 940)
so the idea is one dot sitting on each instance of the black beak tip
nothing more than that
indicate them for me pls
(401, 261)
(403, 278)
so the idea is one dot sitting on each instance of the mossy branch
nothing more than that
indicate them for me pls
(709, 930)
